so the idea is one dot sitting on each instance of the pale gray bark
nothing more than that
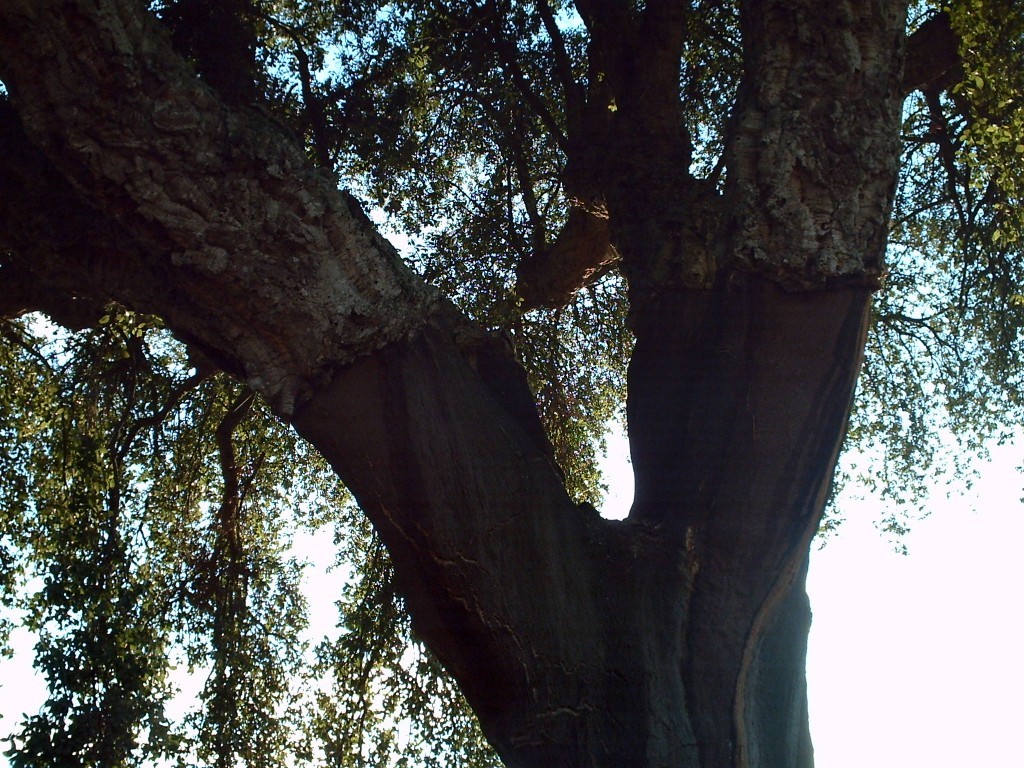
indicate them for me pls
(813, 157)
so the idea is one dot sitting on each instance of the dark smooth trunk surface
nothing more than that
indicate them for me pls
(675, 638)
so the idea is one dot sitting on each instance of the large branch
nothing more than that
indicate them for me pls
(631, 136)
(64, 257)
(220, 202)
(23, 291)
(818, 111)
(213, 219)
(933, 57)
(580, 255)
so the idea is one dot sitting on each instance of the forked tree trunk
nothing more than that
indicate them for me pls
(676, 638)
(673, 639)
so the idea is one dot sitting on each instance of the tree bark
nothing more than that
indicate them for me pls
(674, 638)
(738, 400)
(222, 203)
(813, 154)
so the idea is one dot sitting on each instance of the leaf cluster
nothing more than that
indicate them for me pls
(942, 374)
(148, 512)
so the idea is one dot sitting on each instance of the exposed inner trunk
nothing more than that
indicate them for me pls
(674, 638)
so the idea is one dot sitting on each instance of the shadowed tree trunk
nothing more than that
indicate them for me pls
(674, 638)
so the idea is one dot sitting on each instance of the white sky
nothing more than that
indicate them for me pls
(914, 660)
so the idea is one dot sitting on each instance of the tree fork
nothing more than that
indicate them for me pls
(674, 638)
(555, 651)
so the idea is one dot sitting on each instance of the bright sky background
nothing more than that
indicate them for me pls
(914, 660)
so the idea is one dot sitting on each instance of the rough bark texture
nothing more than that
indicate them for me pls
(675, 638)
(580, 255)
(813, 159)
(229, 210)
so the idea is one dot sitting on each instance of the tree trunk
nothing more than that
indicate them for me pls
(738, 407)
(674, 638)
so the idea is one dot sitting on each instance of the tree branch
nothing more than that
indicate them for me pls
(220, 38)
(947, 155)
(933, 59)
(316, 117)
(508, 56)
(513, 138)
(563, 68)
(221, 202)
(601, 13)
(825, 243)
(424, 417)
(65, 258)
(580, 255)
(23, 290)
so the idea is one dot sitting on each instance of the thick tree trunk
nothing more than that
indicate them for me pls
(738, 405)
(675, 638)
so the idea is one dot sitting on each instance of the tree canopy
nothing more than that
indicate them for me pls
(150, 495)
